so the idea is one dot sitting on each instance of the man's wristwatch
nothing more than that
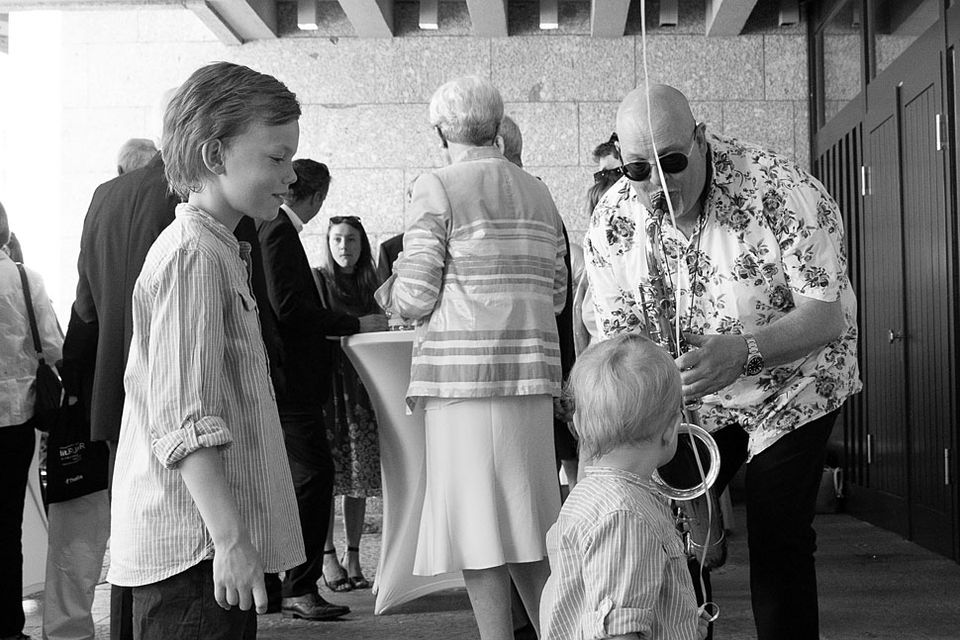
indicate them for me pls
(754, 363)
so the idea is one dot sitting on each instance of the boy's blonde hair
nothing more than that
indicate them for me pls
(218, 102)
(626, 390)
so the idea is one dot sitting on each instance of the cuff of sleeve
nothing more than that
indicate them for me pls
(607, 621)
(208, 431)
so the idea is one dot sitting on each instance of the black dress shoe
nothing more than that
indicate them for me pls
(312, 607)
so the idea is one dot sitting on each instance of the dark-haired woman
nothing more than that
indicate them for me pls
(348, 280)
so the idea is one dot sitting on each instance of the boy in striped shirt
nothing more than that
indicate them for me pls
(203, 499)
(618, 569)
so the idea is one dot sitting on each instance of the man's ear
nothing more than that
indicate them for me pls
(498, 141)
(212, 153)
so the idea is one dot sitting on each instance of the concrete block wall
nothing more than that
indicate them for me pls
(365, 101)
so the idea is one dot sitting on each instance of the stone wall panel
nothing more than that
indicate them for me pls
(549, 131)
(767, 124)
(597, 121)
(568, 186)
(131, 75)
(375, 136)
(706, 68)
(375, 196)
(562, 69)
(785, 67)
(92, 137)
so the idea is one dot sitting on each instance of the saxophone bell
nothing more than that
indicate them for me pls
(680, 478)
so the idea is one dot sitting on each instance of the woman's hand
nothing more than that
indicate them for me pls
(373, 322)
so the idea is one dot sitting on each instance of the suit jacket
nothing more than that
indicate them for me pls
(389, 250)
(125, 216)
(301, 366)
(565, 445)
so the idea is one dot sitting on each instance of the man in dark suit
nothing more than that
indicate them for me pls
(125, 216)
(390, 249)
(301, 377)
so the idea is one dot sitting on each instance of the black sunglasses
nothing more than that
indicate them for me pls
(673, 162)
(342, 219)
(605, 175)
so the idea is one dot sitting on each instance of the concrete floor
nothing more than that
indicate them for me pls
(873, 584)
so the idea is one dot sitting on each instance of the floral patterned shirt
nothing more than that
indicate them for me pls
(769, 231)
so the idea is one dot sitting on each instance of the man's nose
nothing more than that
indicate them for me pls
(655, 180)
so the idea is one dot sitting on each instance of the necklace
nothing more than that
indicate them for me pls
(692, 271)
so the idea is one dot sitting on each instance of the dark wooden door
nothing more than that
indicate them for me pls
(909, 315)
(928, 250)
(838, 166)
(883, 326)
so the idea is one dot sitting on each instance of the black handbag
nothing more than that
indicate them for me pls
(75, 466)
(49, 389)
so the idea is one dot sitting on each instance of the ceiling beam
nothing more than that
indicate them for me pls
(489, 18)
(727, 17)
(370, 18)
(913, 17)
(608, 18)
(217, 24)
(237, 21)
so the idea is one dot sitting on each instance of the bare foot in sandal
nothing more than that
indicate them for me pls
(339, 582)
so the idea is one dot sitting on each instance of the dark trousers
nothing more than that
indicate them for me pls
(781, 495)
(311, 465)
(16, 453)
(183, 606)
(121, 598)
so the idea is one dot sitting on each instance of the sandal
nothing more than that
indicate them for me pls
(341, 584)
(357, 582)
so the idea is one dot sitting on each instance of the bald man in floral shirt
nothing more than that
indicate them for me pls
(754, 249)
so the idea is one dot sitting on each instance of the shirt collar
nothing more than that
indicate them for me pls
(187, 210)
(294, 218)
(482, 153)
(613, 472)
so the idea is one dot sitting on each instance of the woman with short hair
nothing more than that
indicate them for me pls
(482, 275)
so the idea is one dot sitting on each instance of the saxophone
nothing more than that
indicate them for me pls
(699, 522)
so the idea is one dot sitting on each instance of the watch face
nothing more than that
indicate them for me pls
(754, 365)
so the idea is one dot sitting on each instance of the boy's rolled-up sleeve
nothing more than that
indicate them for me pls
(209, 431)
(186, 358)
(623, 567)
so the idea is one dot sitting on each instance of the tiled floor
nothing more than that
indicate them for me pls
(873, 585)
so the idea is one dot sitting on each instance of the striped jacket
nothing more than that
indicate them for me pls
(482, 274)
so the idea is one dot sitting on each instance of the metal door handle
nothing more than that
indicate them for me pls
(895, 335)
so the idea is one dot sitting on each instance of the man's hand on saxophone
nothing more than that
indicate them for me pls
(713, 362)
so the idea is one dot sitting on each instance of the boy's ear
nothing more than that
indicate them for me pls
(212, 154)
(670, 433)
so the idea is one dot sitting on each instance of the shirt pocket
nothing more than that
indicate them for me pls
(247, 301)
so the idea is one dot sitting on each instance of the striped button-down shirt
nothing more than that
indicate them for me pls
(617, 564)
(197, 377)
(483, 274)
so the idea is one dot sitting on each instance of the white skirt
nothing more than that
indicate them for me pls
(492, 489)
